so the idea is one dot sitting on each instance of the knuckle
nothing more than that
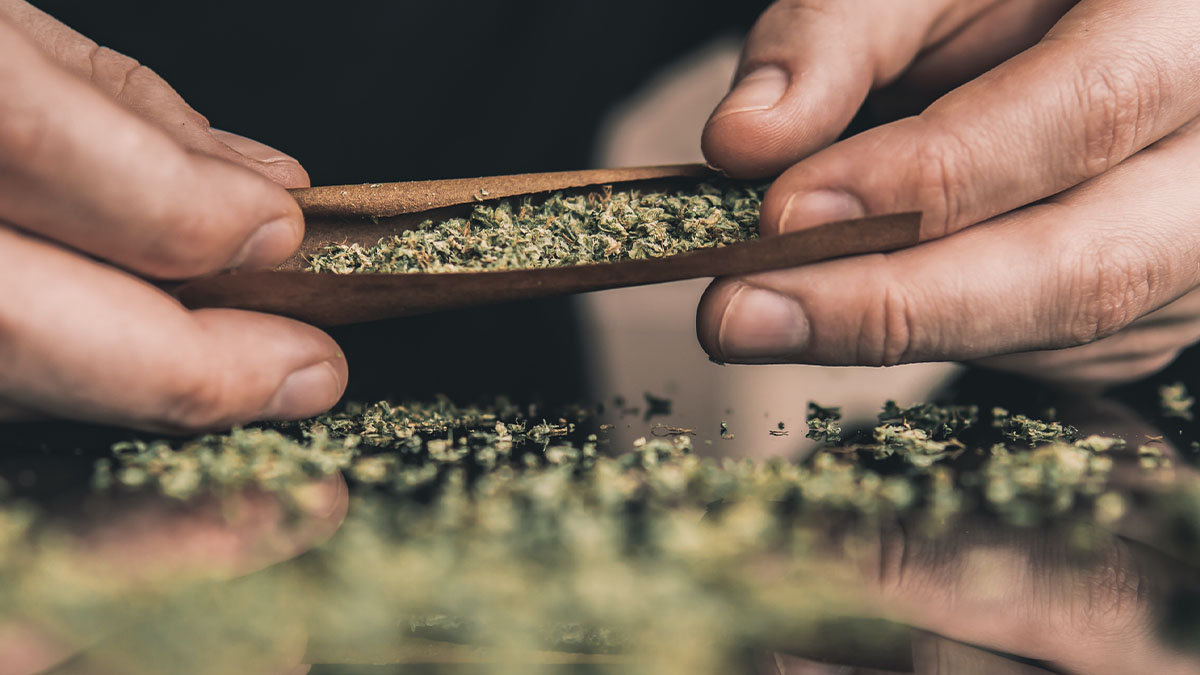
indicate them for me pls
(1119, 101)
(942, 181)
(898, 331)
(24, 136)
(1113, 284)
(887, 338)
(1112, 594)
(113, 72)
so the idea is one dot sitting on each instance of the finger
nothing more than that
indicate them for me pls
(274, 163)
(12, 412)
(989, 38)
(141, 90)
(934, 655)
(98, 345)
(150, 546)
(1079, 102)
(1033, 594)
(1060, 274)
(216, 537)
(806, 69)
(76, 167)
(1145, 347)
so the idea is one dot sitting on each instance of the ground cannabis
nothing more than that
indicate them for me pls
(502, 524)
(1026, 430)
(823, 423)
(1175, 401)
(599, 226)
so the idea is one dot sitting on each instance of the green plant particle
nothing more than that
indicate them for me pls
(938, 422)
(1032, 431)
(1152, 458)
(725, 433)
(656, 406)
(596, 227)
(914, 445)
(502, 524)
(1097, 443)
(823, 423)
(1175, 401)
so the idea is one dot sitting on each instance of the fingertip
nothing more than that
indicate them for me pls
(275, 164)
(789, 209)
(747, 140)
(308, 391)
(287, 172)
(325, 500)
(247, 367)
(711, 311)
(743, 145)
(270, 244)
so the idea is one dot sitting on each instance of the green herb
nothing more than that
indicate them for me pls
(1024, 429)
(1175, 401)
(503, 526)
(596, 227)
(823, 423)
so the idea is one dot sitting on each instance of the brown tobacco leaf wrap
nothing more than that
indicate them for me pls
(367, 213)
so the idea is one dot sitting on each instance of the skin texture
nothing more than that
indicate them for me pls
(108, 180)
(1049, 146)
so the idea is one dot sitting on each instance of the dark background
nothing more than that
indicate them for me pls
(364, 91)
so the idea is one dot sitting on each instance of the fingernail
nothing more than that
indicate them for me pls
(761, 89)
(266, 247)
(817, 208)
(304, 393)
(759, 323)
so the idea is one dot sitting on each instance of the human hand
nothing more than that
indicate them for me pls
(1010, 601)
(107, 178)
(1057, 186)
(134, 559)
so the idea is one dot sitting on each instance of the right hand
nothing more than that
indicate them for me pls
(107, 179)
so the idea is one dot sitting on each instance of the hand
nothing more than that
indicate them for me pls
(108, 178)
(978, 599)
(1057, 184)
(132, 559)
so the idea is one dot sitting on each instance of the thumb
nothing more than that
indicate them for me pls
(807, 67)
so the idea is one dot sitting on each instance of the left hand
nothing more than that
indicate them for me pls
(1057, 187)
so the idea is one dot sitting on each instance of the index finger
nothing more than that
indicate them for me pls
(1110, 79)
